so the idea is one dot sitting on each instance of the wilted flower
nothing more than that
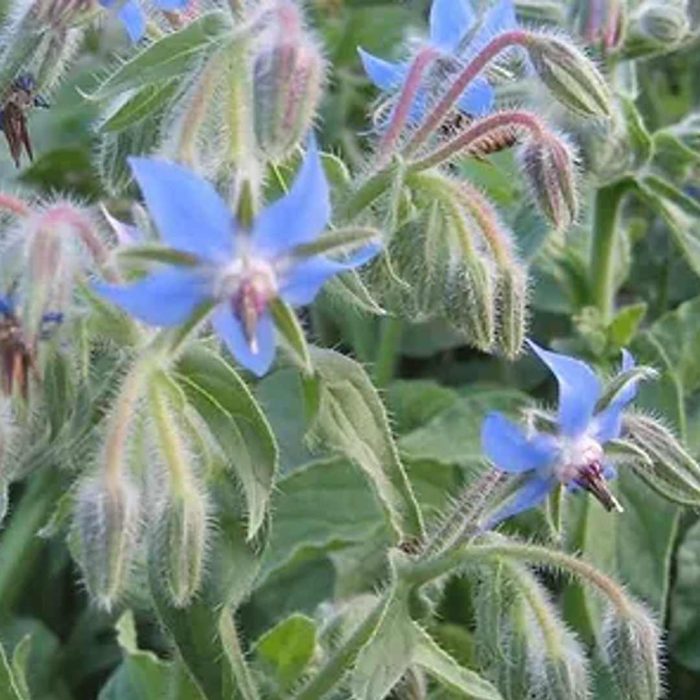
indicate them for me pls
(240, 271)
(456, 36)
(132, 16)
(574, 454)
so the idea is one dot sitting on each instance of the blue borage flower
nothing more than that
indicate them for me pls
(241, 271)
(133, 17)
(454, 32)
(574, 455)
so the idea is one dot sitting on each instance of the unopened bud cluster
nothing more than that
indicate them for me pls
(288, 73)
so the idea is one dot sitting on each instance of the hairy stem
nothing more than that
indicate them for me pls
(443, 108)
(481, 129)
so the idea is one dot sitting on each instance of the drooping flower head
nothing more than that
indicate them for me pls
(132, 16)
(573, 455)
(457, 35)
(241, 271)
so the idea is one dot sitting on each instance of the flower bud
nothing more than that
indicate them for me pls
(512, 299)
(548, 163)
(569, 74)
(668, 468)
(631, 642)
(54, 241)
(179, 543)
(106, 520)
(666, 24)
(601, 22)
(288, 72)
(469, 301)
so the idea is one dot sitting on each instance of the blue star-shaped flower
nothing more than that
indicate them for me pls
(455, 34)
(241, 271)
(574, 455)
(132, 16)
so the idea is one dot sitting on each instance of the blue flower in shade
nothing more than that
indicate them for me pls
(574, 454)
(132, 16)
(455, 33)
(240, 271)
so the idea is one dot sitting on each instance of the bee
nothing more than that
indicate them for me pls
(17, 356)
(16, 104)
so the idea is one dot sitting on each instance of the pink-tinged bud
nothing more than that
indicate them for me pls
(58, 242)
(600, 22)
(107, 523)
(288, 74)
(548, 163)
(570, 75)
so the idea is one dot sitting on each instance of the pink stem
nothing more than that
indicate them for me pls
(478, 131)
(410, 89)
(516, 37)
(14, 205)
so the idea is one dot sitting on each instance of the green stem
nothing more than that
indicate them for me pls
(336, 667)
(19, 544)
(246, 686)
(602, 269)
(388, 351)
(423, 572)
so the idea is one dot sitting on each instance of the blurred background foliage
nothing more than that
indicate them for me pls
(323, 561)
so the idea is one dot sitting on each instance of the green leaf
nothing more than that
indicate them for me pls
(680, 212)
(142, 674)
(12, 684)
(338, 240)
(158, 253)
(444, 669)
(685, 602)
(137, 106)
(452, 436)
(639, 138)
(236, 422)
(624, 326)
(290, 329)
(348, 289)
(388, 653)
(288, 648)
(167, 58)
(322, 506)
(352, 421)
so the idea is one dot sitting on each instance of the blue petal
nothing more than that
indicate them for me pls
(478, 98)
(529, 495)
(7, 307)
(608, 423)
(385, 75)
(187, 210)
(304, 280)
(229, 329)
(505, 444)
(579, 390)
(165, 298)
(500, 18)
(133, 20)
(449, 22)
(299, 216)
(171, 4)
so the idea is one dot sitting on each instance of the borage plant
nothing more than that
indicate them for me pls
(248, 514)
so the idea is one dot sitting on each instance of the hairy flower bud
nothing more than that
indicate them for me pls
(512, 309)
(179, 543)
(288, 75)
(600, 22)
(106, 520)
(663, 23)
(569, 74)
(631, 642)
(548, 162)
